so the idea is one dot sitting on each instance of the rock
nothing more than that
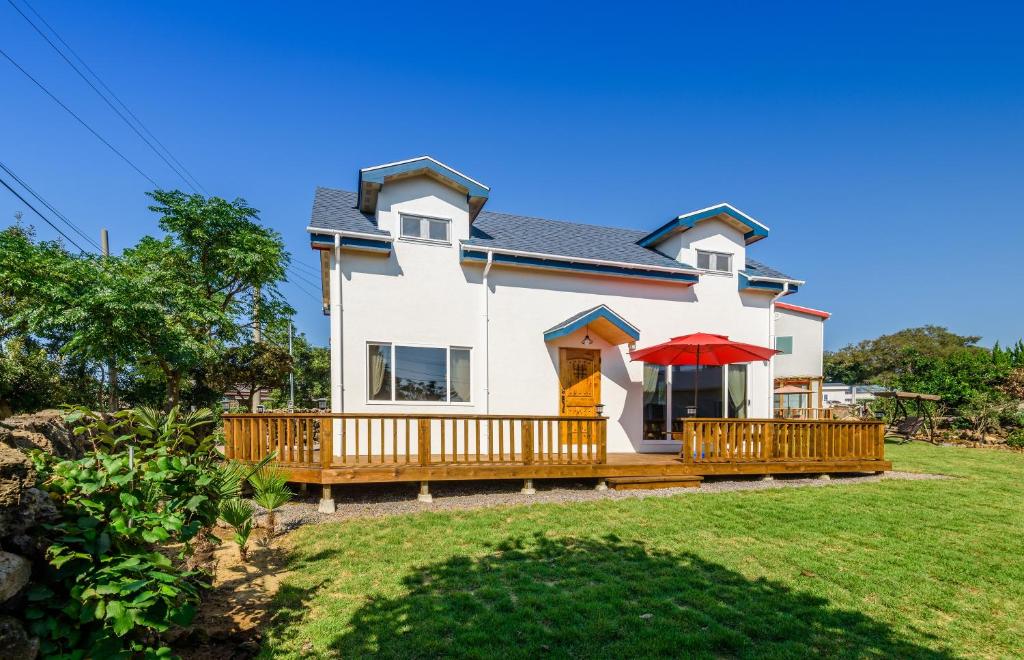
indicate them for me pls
(14, 574)
(16, 474)
(15, 644)
(45, 430)
(35, 508)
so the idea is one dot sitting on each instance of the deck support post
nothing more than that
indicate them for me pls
(326, 501)
(424, 495)
(528, 488)
(303, 489)
(601, 485)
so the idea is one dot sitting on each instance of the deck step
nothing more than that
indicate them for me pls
(652, 483)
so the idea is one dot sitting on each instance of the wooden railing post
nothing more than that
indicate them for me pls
(326, 441)
(423, 441)
(229, 438)
(689, 441)
(602, 439)
(769, 440)
(526, 438)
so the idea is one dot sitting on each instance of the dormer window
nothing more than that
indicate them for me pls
(714, 262)
(435, 230)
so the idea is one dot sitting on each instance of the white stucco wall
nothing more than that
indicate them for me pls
(808, 333)
(421, 294)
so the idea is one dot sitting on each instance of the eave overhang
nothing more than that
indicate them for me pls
(372, 179)
(320, 239)
(752, 229)
(747, 282)
(577, 265)
(602, 321)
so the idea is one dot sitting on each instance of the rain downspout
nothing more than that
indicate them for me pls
(771, 344)
(337, 334)
(487, 335)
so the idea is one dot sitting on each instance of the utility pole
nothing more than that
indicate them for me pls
(291, 376)
(112, 399)
(257, 337)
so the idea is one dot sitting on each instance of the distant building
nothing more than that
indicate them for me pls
(841, 394)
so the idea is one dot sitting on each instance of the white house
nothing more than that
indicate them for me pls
(799, 338)
(438, 305)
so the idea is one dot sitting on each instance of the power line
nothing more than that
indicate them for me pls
(45, 203)
(98, 92)
(36, 211)
(310, 269)
(302, 277)
(303, 289)
(80, 120)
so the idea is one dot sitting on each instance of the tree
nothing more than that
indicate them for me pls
(29, 379)
(172, 304)
(252, 366)
(882, 359)
(985, 412)
(312, 370)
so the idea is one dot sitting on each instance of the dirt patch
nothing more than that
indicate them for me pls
(234, 612)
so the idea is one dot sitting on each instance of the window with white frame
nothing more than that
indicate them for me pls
(715, 262)
(418, 373)
(437, 230)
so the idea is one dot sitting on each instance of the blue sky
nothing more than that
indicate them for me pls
(883, 143)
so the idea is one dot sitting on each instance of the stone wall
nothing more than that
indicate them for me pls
(22, 507)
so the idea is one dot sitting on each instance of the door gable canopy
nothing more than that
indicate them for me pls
(601, 320)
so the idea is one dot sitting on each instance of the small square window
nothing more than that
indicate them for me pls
(438, 230)
(426, 229)
(410, 226)
(784, 345)
(716, 262)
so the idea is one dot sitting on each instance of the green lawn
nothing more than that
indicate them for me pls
(896, 569)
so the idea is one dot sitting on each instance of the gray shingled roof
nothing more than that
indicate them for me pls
(756, 268)
(567, 239)
(336, 210)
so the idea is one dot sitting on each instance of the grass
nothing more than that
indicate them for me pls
(924, 569)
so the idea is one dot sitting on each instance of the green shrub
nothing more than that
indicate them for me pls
(128, 512)
(270, 490)
(1016, 438)
(237, 513)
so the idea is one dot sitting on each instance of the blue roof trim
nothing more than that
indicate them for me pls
(379, 174)
(746, 283)
(585, 268)
(756, 232)
(572, 324)
(324, 241)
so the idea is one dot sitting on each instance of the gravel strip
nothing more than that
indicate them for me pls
(381, 500)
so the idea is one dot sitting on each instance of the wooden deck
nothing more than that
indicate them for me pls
(397, 448)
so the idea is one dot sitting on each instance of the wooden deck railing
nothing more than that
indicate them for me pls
(780, 440)
(359, 440)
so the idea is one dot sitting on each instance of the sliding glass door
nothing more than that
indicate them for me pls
(669, 395)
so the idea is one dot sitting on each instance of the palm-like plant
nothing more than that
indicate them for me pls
(237, 513)
(270, 490)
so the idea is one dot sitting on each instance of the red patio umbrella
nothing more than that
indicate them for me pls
(701, 349)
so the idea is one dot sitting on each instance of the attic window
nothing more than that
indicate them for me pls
(435, 230)
(715, 262)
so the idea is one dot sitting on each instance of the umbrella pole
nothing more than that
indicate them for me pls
(696, 380)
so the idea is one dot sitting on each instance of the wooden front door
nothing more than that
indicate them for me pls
(580, 377)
